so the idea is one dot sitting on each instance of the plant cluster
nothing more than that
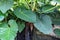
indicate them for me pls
(15, 13)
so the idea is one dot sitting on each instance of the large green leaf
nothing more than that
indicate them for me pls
(8, 32)
(21, 26)
(43, 24)
(57, 32)
(14, 25)
(5, 5)
(26, 15)
(48, 9)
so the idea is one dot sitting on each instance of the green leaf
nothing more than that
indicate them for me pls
(57, 31)
(43, 24)
(5, 5)
(48, 9)
(21, 26)
(8, 32)
(14, 25)
(56, 19)
(25, 3)
(26, 15)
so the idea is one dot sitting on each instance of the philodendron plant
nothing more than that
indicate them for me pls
(15, 13)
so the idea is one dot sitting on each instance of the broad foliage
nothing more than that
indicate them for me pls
(14, 14)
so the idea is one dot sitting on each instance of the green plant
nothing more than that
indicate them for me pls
(15, 13)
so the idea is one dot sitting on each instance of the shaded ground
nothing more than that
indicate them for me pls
(21, 36)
